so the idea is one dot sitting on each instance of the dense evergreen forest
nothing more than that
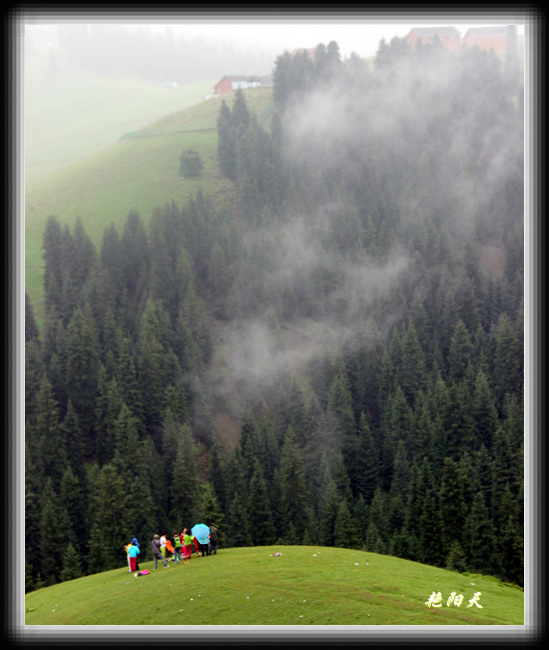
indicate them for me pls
(356, 308)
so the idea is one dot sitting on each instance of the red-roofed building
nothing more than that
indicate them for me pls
(230, 83)
(487, 38)
(448, 36)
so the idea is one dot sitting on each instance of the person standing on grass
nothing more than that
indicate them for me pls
(214, 534)
(163, 544)
(127, 549)
(134, 541)
(196, 546)
(187, 545)
(157, 553)
(177, 547)
(133, 552)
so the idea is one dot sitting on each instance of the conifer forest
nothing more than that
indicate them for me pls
(332, 356)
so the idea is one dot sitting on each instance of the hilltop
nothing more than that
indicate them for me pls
(305, 585)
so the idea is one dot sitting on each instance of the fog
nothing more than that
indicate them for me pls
(325, 130)
(462, 163)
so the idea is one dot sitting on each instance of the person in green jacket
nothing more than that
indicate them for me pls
(187, 545)
(177, 548)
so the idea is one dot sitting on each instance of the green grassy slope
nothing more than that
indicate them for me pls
(306, 585)
(71, 114)
(140, 171)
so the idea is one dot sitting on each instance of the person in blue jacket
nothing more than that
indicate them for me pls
(133, 552)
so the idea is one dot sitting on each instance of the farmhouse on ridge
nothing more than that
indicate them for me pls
(487, 38)
(448, 36)
(233, 82)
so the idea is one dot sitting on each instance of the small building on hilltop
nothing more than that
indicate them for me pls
(233, 82)
(448, 36)
(487, 38)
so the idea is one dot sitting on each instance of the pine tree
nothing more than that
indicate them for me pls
(150, 371)
(510, 541)
(53, 260)
(328, 508)
(127, 387)
(379, 518)
(185, 487)
(141, 515)
(457, 420)
(108, 405)
(460, 353)
(373, 542)
(260, 519)
(34, 370)
(217, 474)
(53, 535)
(344, 528)
(73, 496)
(83, 372)
(126, 440)
(72, 442)
(424, 432)
(294, 497)
(248, 445)
(210, 510)
(226, 142)
(412, 372)
(456, 559)
(430, 547)
(240, 114)
(341, 422)
(480, 540)
(401, 470)
(31, 328)
(367, 462)
(72, 565)
(51, 456)
(484, 412)
(238, 532)
(508, 359)
(135, 261)
(33, 512)
(111, 256)
(170, 434)
(219, 279)
(361, 517)
(453, 506)
(109, 524)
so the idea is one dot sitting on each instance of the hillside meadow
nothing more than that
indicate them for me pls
(140, 171)
(71, 114)
(305, 585)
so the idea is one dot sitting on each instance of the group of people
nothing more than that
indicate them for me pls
(178, 548)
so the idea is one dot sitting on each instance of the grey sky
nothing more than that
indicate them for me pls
(360, 32)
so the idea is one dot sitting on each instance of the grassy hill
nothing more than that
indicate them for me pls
(139, 171)
(305, 585)
(71, 114)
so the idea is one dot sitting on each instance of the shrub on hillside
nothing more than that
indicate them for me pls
(190, 163)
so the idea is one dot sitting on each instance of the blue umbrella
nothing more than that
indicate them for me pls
(201, 532)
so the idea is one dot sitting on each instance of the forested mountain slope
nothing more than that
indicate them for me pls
(335, 356)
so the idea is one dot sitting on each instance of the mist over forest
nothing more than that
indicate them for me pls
(156, 55)
(333, 357)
